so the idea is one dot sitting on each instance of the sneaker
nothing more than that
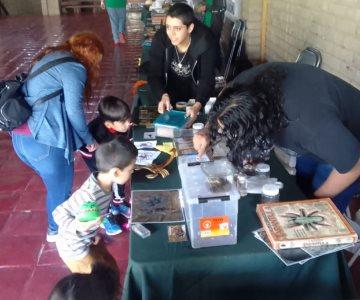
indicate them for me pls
(51, 236)
(117, 201)
(110, 225)
(121, 38)
(121, 209)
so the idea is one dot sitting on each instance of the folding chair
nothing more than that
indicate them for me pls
(309, 56)
(232, 43)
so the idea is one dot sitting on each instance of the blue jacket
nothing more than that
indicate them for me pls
(54, 124)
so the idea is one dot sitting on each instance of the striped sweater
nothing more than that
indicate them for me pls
(71, 244)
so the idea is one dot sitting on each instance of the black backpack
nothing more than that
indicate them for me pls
(14, 110)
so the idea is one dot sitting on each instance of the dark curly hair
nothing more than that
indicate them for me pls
(251, 115)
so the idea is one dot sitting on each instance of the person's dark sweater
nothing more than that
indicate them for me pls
(200, 59)
(101, 134)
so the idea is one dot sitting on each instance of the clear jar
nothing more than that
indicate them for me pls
(262, 170)
(241, 182)
(197, 126)
(270, 193)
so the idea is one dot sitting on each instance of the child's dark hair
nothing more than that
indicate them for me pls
(118, 153)
(183, 12)
(102, 283)
(114, 109)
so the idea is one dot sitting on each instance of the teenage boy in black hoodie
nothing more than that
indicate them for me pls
(182, 61)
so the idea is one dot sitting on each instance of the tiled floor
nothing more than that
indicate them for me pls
(29, 266)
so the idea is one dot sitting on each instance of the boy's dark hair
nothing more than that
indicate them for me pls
(102, 283)
(114, 109)
(183, 12)
(118, 153)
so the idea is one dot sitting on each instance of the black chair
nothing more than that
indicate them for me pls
(310, 56)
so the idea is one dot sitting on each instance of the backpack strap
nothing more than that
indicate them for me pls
(44, 68)
(49, 65)
(47, 97)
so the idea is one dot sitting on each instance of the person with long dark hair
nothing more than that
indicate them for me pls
(57, 127)
(297, 107)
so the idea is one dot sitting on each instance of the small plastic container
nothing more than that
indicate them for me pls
(241, 181)
(181, 105)
(262, 170)
(197, 126)
(270, 193)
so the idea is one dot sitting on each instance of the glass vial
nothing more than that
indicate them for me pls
(262, 170)
(197, 126)
(270, 193)
(242, 184)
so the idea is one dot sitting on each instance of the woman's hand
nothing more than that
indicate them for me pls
(88, 226)
(192, 112)
(92, 147)
(164, 104)
(201, 142)
(102, 4)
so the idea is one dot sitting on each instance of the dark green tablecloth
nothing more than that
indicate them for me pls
(248, 270)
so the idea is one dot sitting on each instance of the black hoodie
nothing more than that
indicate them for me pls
(201, 56)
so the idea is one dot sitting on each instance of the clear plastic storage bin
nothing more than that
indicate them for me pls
(211, 216)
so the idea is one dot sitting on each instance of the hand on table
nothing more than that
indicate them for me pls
(164, 104)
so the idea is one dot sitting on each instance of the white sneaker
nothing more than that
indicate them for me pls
(51, 236)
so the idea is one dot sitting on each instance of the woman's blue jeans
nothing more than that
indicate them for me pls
(117, 18)
(49, 163)
(319, 172)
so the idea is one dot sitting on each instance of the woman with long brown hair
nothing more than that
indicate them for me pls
(57, 127)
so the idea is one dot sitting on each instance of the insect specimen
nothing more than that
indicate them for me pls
(308, 221)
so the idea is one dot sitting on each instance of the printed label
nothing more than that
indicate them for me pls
(214, 226)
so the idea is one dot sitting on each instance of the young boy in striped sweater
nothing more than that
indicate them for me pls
(78, 243)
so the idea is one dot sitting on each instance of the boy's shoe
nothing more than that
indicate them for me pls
(117, 201)
(110, 225)
(51, 236)
(121, 209)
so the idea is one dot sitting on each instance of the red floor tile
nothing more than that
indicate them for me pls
(31, 223)
(31, 201)
(35, 183)
(3, 219)
(8, 200)
(48, 276)
(13, 182)
(19, 251)
(14, 166)
(12, 281)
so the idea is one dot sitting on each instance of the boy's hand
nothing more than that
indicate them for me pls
(88, 226)
(92, 147)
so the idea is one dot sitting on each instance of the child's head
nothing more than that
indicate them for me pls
(101, 283)
(115, 114)
(117, 158)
